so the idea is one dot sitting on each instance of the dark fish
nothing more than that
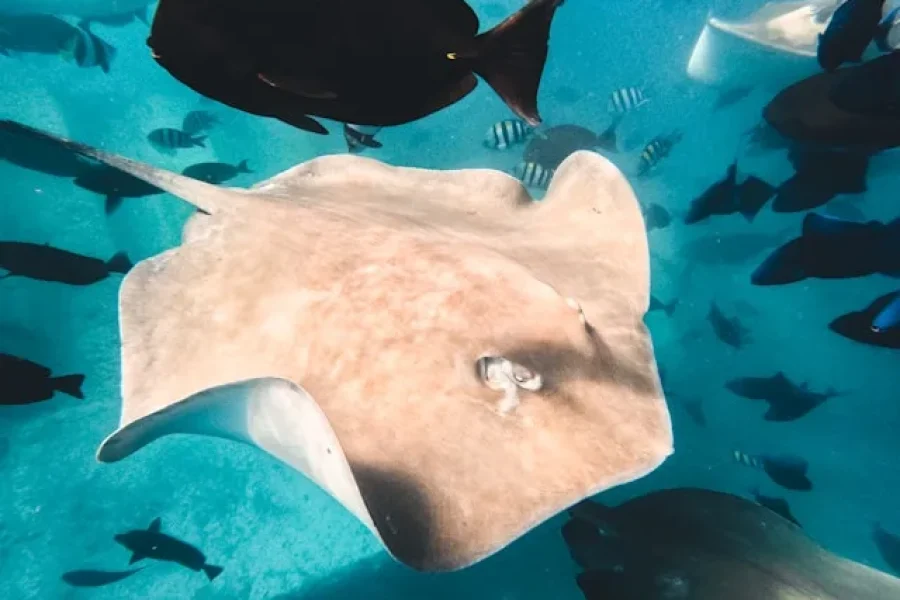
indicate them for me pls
(37, 154)
(533, 175)
(114, 184)
(888, 545)
(625, 100)
(589, 547)
(657, 304)
(787, 401)
(854, 108)
(198, 121)
(830, 248)
(92, 578)
(729, 330)
(46, 263)
(731, 96)
(216, 172)
(850, 31)
(381, 62)
(860, 326)
(556, 144)
(507, 133)
(117, 20)
(693, 407)
(26, 382)
(656, 217)
(883, 38)
(846, 209)
(786, 470)
(34, 34)
(727, 197)
(668, 537)
(888, 319)
(659, 148)
(779, 506)
(88, 50)
(152, 543)
(820, 176)
(360, 137)
(168, 140)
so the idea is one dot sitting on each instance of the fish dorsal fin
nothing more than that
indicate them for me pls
(208, 198)
(156, 525)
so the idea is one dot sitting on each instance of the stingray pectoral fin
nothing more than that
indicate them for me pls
(272, 414)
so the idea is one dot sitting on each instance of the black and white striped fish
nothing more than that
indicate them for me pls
(533, 175)
(505, 134)
(360, 137)
(198, 121)
(626, 99)
(167, 140)
(786, 470)
(88, 50)
(658, 148)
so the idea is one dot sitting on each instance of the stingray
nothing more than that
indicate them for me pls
(695, 544)
(451, 360)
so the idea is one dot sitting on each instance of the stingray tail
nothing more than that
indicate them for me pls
(70, 385)
(512, 55)
(212, 571)
(207, 197)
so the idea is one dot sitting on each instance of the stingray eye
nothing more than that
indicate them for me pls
(525, 378)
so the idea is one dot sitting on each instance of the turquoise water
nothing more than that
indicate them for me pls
(278, 535)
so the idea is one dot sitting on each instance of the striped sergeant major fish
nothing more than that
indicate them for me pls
(658, 148)
(360, 137)
(87, 50)
(624, 100)
(510, 132)
(786, 470)
(167, 140)
(533, 175)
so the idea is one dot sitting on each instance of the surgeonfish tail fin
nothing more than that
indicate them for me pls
(212, 571)
(69, 385)
(120, 263)
(243, 168)
(512, 55)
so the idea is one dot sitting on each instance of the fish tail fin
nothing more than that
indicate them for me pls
(108, 55)
(112, 204)
(120, 263)
(512, 56)
(70, 385)
(610, 137)
(670, 307)
(200, 141)
(212, 571)
(243, 168)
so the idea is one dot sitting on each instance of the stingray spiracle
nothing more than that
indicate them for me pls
(499, 373)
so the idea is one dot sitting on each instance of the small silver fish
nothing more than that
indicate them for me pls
(505, 134)
(533, 175)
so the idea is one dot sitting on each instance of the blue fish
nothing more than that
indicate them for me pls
(858, 325)
(889, 317)
(851, 30)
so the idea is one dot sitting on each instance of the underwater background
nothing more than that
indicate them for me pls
(279, 536)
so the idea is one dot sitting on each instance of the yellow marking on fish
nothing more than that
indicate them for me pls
(451, 55)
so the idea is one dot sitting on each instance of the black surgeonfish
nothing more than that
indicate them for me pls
(367, 62)
(96, 578)
(852, 108)
(727, 197)
(25, 382)
(695, 544)
(832, 248)
(877, 325)
(46, 263)
(786, 470)
(554, 145)
(787, 400)
(850, 31)
(820, 176)
(777, 505)
(153, 543)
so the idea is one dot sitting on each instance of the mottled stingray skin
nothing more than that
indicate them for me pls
(333, 315)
